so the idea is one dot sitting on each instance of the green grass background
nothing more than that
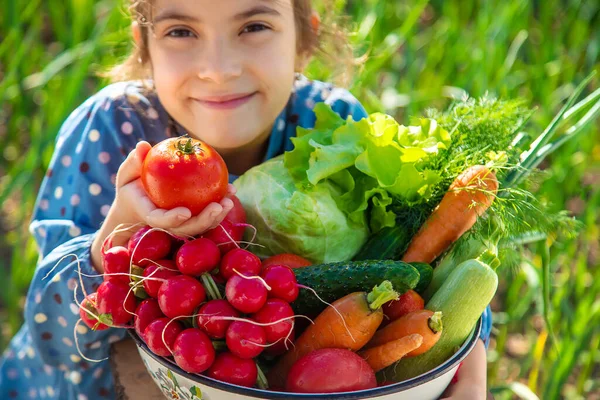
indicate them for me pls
(422, 53)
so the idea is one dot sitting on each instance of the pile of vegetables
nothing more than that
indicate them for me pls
(385, 238)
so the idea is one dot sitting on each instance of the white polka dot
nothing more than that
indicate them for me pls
(30, 352)
(38, 298)
(40, 318)
(95, 345)
(56, 278)
(32, 393)
(113, 179)
(75, 231)
(75, 377)
(310, 103)
(98, 373)
(95, 189)
(41, 232)
(21, 355)
(82, 397)
(281, 125)
(152, 113)
(79, 148)
(63, 367)
(67, 341)
(44, 204)
(104, 157)
(74, 308)
(71, 283)
(127, 128)
(27, 373)
(75, 358)
(42, 393)
(50, 391)
(62, 321)
(9, 355)
(94, 135)
(12, 374)
(104, 210)
(58, 192)
(82, 329)
(66, 161)
(114, 338)
(75, 200)
(325, 93)
(48, 369)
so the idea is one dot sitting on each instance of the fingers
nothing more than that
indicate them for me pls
(209, 218)
(131, 168)
(168, 219)
(231, 190)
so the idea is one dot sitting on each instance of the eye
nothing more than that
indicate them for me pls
(253, 28)
(180, 33)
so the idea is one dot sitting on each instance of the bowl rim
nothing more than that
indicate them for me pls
(441, 369)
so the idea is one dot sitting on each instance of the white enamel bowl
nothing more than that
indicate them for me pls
(175, 383)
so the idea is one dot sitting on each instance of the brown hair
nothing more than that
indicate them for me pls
(329, 43)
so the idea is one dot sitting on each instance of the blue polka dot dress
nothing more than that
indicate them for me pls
(42, 360)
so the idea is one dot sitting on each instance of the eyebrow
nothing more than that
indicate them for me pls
(252, 12)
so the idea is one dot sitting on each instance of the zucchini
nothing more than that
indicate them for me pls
(333, 281)
(462, 298)
(387, 244)
(426, 274)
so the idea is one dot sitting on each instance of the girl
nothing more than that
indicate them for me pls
(225, 72)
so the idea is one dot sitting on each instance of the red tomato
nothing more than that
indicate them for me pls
(287, 259)
(182, 172)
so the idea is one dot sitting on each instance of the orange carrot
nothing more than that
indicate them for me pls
(388, 353)
(469, 196)
(349, 324)
(423, 322)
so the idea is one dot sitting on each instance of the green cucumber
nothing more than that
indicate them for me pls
(462, 298)
(333, 281)
(387, 244)
(426, 274)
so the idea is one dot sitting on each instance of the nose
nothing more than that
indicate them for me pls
(219, 62)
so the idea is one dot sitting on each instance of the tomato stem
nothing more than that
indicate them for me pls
(188, 147)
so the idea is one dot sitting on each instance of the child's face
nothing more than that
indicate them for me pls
(224, 69)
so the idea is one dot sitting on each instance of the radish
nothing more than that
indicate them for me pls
(88, 305)
(282, 281)
(115, 303)
(237, 215)
(232, 369)
(152, 285)
(246, 294)
(280, 333)
(242, 261)
(116, 260)
(193, 351)
(330, 371)
(145, 313)
(153, 335)
(197, 257)
(208, 321)
(180, 296)
(226, 235)
(150, 244)
(245, 339)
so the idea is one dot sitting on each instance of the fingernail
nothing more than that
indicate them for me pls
(181, 217)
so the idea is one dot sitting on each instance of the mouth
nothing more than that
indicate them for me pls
(225, 102)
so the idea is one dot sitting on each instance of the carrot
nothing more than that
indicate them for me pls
(423, 322)
(388, 353)
(469, 196)
(348, 324)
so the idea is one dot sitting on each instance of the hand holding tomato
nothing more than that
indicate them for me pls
(132, 201)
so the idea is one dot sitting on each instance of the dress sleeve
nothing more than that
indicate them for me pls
(74, 198)
(486, 326)
(345, 104)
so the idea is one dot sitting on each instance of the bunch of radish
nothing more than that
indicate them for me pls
(164, 287)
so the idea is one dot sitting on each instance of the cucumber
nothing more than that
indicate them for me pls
(462, 298)
(387, 244)
(426, 274)
(333, 281)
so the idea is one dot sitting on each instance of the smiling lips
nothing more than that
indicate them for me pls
(226, 102)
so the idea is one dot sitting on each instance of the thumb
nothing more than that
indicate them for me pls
(131, 168)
